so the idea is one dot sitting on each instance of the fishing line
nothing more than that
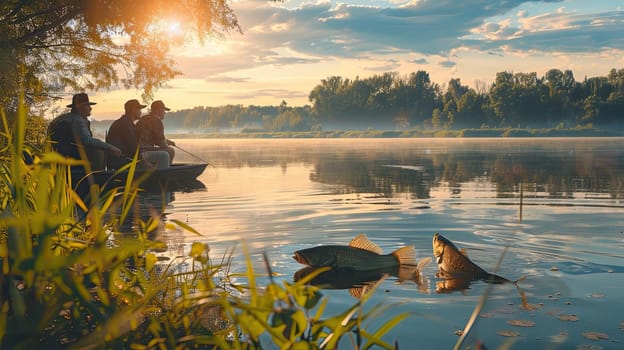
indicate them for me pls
(192, 155)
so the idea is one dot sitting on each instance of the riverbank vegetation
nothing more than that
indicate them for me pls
(514, 101)
(414, 133)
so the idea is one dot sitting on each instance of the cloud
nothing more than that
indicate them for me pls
(496, 52)
(387, 66)
(568, 32)
(276, 35)
(427, 27)
(275, 93)
(227, 79)
(419, 61)
(447, 64)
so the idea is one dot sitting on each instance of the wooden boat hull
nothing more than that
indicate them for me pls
(178, 177)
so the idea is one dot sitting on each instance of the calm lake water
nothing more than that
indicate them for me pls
(567, 239)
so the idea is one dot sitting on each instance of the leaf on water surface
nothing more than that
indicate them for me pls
(521, 323)
(595, 336)
(589, 347)
(508, 333)
(571, 318)
(553, 312)
(559, 338)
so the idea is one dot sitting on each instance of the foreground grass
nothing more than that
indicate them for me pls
(74, 277)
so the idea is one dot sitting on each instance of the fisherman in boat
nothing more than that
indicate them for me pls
(71, 135)
(151, 136)
(122, 133)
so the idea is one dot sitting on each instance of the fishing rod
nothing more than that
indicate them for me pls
(191, 154)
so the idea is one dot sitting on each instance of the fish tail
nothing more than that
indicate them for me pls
(405, 255)
(519, 280)
(422, 263)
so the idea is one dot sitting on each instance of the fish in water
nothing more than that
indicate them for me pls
(360, 255)
(455, 264)
(458, 270)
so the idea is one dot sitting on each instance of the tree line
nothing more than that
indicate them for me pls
(392, 101)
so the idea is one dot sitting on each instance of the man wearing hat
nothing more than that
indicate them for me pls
(71, 134)
(151, 132)
(122, 133)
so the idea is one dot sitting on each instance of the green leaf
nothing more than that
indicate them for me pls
(375, 338)
(186, 227)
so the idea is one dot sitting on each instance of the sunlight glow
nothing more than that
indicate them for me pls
(170, 27)
(173, 28)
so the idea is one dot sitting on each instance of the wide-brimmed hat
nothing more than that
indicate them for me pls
(159, 104)
(79, 99)
(134, 103)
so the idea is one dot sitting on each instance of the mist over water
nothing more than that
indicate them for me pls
(566, 238)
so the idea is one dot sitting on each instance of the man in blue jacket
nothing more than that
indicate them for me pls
(71, 135)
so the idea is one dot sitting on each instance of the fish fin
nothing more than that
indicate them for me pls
(356, 292)
(411, 272)
(415, 274)
(405, 255)
(362, 242)
(464, 252)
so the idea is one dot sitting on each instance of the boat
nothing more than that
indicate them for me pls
(177, 177)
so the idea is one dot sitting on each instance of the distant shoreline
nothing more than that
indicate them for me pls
(464, 133)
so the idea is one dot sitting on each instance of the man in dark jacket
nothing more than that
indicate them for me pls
(151, 132)
(122, 133)
(71, 135)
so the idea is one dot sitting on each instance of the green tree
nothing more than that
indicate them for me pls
(423, 96)
(500, 97)
(47, 46)
(470, 110)
(528, 97)
(324, 98)
(561, 104)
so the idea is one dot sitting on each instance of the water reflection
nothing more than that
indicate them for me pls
(280, 196)
(547, 175)
(150, 205)
(449, 285)
(545, 168)
(356, 281)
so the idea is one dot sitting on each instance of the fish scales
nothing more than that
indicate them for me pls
(355, 258)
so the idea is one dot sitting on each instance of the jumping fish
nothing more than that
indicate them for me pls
(455, 264)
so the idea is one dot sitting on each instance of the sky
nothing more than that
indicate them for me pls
(287, 47)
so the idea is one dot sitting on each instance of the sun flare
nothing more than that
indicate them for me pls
(170, 27)
(173, 28)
